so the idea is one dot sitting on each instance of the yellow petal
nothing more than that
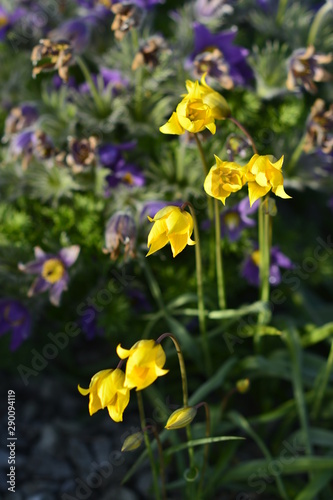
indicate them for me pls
(256, 192)
(158, 244)
(261, 179)
(172, 126)
(211, 127)
(83, 391)
(279, 191)
(122, 353)
(178, 242)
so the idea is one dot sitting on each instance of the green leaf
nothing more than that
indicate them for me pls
(200, 442)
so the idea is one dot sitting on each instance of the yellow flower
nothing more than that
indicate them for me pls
(145, 363)
(171, 225)
(106, 389)
(263, 175)
(198, 110)
(224, 178)
(181, 418)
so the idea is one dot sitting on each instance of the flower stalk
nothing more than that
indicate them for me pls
(219, 264)
(206, 448)
(148, 445)
(264, 262)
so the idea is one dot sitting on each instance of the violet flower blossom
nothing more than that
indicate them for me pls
(112, 79)
(51, 270)
(216, 55)
(14, 318)
(110, 156)
(8, 19)
(75, 31)
(250, 269)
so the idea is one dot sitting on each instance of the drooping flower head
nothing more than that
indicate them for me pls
(120, 232)
(224, 178)
(107, 390)
(198, 110)
(20, 118)
(52, 271)
(171, 225)
(82, 153)
(14, 318)
(250, 268)
(305, 68)
(144, 364)
(216, 55)
(75, 31)
(50, 56)
(319, 128)
(264, 175)
(149, 53)
(127, 17)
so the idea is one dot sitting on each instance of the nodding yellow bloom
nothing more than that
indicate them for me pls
(263, 175)
(171, 225)
(224, 178)
(198, 110)
(181, 418)
(145, 363)
(106, 389)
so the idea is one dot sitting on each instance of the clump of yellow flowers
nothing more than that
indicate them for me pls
(198, 110)
(111, 388)
(261, 174)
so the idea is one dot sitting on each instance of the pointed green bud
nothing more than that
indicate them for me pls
(132, 442)
(181, 418)
(243, 385)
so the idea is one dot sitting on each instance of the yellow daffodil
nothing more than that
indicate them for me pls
(198, 110)
(145, 363)
(224, 178)
(106, 389)
(181, 418)
(263, 175)
(171, 225)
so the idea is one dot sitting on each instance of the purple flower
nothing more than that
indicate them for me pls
(305, 68)
(14, 318)
(31, 143)
(250, 269)
(76, 31)
(216, 55)
(7, 20)
(146, 4)
(126, 174)
(111, 78)
(110, 156)
(20, 118)
(51, 270)
(89, 324)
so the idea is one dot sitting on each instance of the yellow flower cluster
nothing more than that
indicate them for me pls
(111, 388)
(261, 174)
(198, 110)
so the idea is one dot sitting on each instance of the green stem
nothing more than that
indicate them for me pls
(183, 377)
(94, 92)
(264, 258)
(245, 132)
(296, 154)
(206, 448)
(324, 378)
(161, 457)
(199, 274)
(218, 250)
(148, 446)
(317, 22)
(206, 170)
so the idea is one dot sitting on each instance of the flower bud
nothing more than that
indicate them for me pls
(132, 442)
(181, 418)
(243, 385)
